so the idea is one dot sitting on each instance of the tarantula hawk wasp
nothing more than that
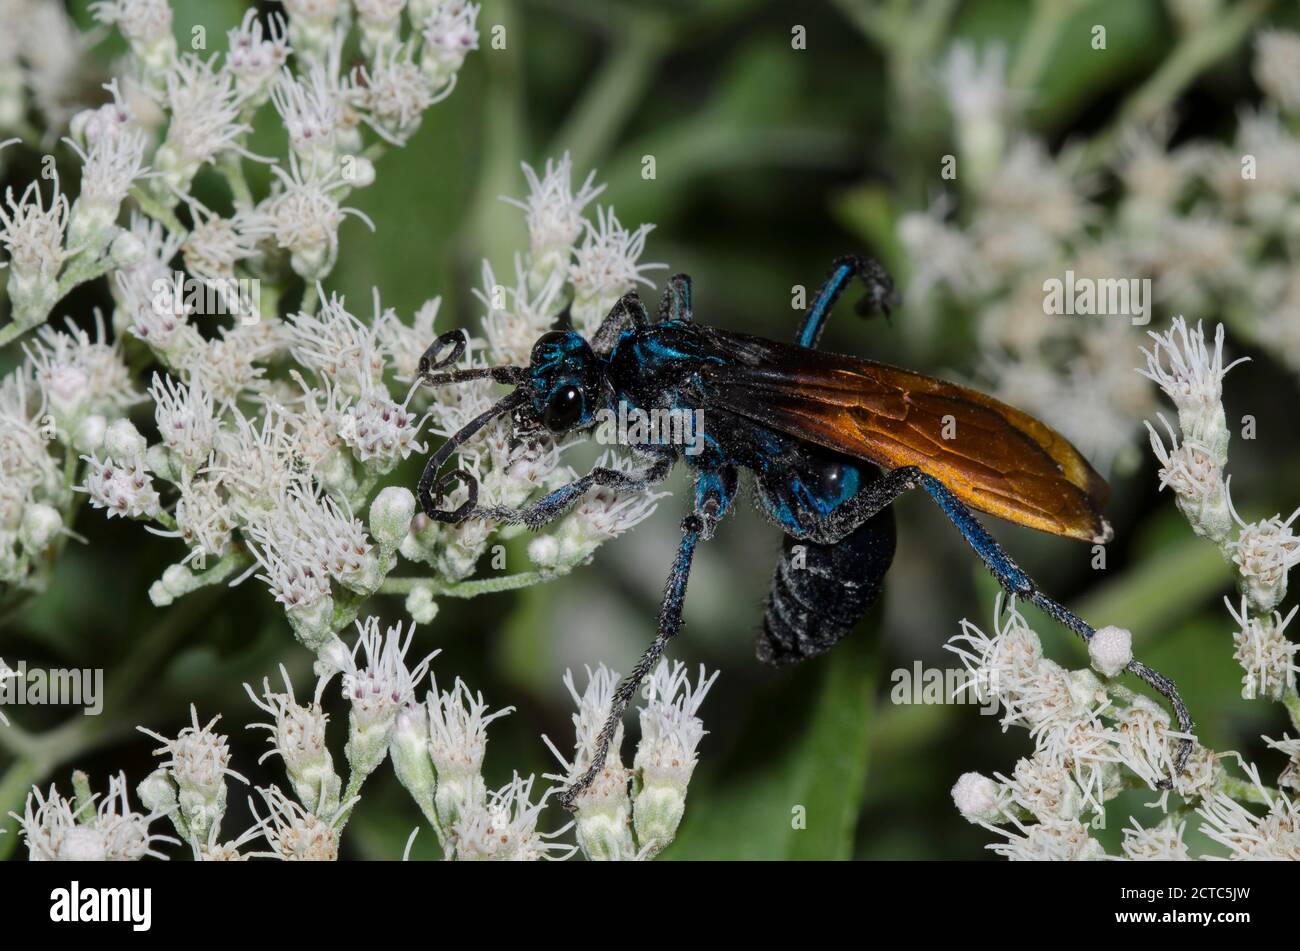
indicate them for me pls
(830, 441)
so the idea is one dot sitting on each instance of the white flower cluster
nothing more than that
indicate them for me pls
(634, 813)
(572, 263)
(437, 750)
(1093, 739)
(1210, 226)
(251, 471)
(83, 830)
(1192, 464)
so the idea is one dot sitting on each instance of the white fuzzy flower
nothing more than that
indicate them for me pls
(516, 316)
(109, 121)
(1161, 843)
(378, 691)
(55, 54)
(147, 26)
(977, 798)
(1275, 835)
(215, 245)
(605, 267)
(1196, 477)
(32, 232)
(295, 834)
(337, 345)
(1263, 552)
(205, 109)
(942, 255)
(1193, 379)
(256, 55)
(449, 35)
(199, 765)
(1145, 741)
(1265, 654)
(1042, 785)
(458, 722)
(980, 102)
(665, 756)
(303, 216)
(311, 26)
(604, 808)
(1055, 840)
(227, 366)
(298, 737)
(311, 108)
(404, 344)
(157, 248)
(125, 490)
(108, 170)
(392, 93)
(554, 216)
(203, 520)
(77, 373)
(504, 828)
(379, 14)
(187, 423)
(58, 830)
(255, 463)
(380, 432)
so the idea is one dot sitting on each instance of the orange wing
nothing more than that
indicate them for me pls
(998, 459)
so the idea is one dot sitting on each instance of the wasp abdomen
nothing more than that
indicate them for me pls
(820, 591)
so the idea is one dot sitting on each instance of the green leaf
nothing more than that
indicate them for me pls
(793, 786)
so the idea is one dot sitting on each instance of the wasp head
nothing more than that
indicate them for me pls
(566, 382)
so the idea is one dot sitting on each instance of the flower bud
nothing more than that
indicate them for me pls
(123, 442)
(420, 604)
(157, 792)
(976, 797)
(41, 524)
(390, 516)
(410, 751)
(1111, 650)
(89, 434)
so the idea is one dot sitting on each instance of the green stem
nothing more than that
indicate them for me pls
(158, 211)
(472, 588)
(310, 299)
(355, 781)
(609, 98)
(1291, 700)
(1196, 51)
(1044, 29)
(233, 171)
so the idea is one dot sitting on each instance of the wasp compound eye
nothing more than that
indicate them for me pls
(563, 409)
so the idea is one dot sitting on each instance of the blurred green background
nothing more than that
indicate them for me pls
(770, 162)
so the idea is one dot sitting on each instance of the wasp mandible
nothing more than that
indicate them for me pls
(830, 442)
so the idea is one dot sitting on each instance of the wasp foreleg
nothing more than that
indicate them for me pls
(628, 313)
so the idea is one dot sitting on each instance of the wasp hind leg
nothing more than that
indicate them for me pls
(877, 495)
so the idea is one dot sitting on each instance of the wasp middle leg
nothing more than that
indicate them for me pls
(715, 490)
